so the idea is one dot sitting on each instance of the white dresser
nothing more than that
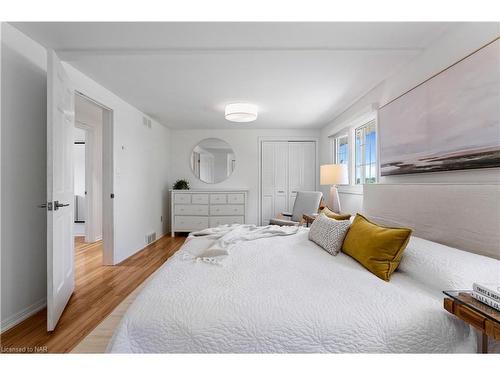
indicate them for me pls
(199, 209)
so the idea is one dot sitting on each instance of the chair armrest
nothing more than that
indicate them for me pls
(283, 222)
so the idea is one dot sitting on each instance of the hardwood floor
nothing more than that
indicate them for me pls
(98, 290)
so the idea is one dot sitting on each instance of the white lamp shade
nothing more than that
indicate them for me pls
(241, 112)
(333, 174)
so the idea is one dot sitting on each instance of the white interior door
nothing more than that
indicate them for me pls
(274, 179)
(60, 213)
(206, 167)
(295, 171)
(281, 178)
(267, 184)
(308, 166)
(302, 167)
(286, 167)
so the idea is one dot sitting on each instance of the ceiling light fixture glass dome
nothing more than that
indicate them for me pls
(241, 112)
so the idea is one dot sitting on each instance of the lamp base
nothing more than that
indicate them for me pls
(334, 202)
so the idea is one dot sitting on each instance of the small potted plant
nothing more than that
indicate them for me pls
(181, 185)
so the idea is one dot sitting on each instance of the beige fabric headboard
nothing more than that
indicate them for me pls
(463, 216)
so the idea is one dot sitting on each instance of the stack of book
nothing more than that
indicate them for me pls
(487, 293)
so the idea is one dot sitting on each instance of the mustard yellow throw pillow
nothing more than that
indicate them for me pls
(333, 215)
(379, 249)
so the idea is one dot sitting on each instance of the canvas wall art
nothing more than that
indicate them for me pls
(450, 122)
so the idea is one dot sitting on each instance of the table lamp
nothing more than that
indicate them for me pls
(334, 174)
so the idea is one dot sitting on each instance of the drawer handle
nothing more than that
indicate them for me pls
(281, 191)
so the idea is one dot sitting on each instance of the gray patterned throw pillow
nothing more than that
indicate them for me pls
(329, 233)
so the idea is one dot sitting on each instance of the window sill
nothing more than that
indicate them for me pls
(350, 189)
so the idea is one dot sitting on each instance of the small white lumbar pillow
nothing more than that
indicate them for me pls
(329, 233)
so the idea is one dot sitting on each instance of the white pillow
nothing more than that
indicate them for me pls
(329, 233)
(444, 268)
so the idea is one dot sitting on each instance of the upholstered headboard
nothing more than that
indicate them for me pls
(463, 216)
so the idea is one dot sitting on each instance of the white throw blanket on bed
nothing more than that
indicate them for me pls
(226, 236)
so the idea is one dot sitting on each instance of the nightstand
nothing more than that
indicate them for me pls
(480, 316)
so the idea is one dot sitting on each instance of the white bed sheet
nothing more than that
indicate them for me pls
(286, 294)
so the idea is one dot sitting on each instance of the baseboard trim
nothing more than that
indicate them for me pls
(22, 315)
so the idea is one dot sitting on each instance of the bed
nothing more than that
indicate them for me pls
(286, 294)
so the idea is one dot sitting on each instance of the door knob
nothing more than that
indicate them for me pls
(57, 205)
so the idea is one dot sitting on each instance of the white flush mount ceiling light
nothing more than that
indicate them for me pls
(241, 112)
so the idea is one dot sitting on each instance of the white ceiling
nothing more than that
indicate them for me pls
(301, 75)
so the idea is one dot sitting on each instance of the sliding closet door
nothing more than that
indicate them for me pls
(274, 188)
(267, 188)
(287, 167)
(302, 169)
(295, 171)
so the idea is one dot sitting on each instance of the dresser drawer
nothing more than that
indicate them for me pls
(190, 209)
(199, 199)
(227, 209)
(236, 198)
(218, 198)
(190, 222)
(221, 220)
(182, 198)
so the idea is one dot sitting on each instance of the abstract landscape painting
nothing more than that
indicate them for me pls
(450, 122)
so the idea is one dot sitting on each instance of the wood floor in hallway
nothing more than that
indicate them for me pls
(98, 290)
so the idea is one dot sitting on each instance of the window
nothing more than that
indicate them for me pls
(341, 149)
(365, 152)
(356, 146)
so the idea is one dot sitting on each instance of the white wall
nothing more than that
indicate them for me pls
(141, 164)
(458, 42)
(23, 177)
(245, 143)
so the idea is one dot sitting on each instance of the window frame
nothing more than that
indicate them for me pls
(363, 145)
(336, 146)
(335, 140)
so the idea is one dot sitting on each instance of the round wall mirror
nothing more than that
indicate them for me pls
(212, 160)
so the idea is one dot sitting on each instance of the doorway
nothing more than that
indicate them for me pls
(92, 172)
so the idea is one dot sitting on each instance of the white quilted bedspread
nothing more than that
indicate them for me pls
(286, 294)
